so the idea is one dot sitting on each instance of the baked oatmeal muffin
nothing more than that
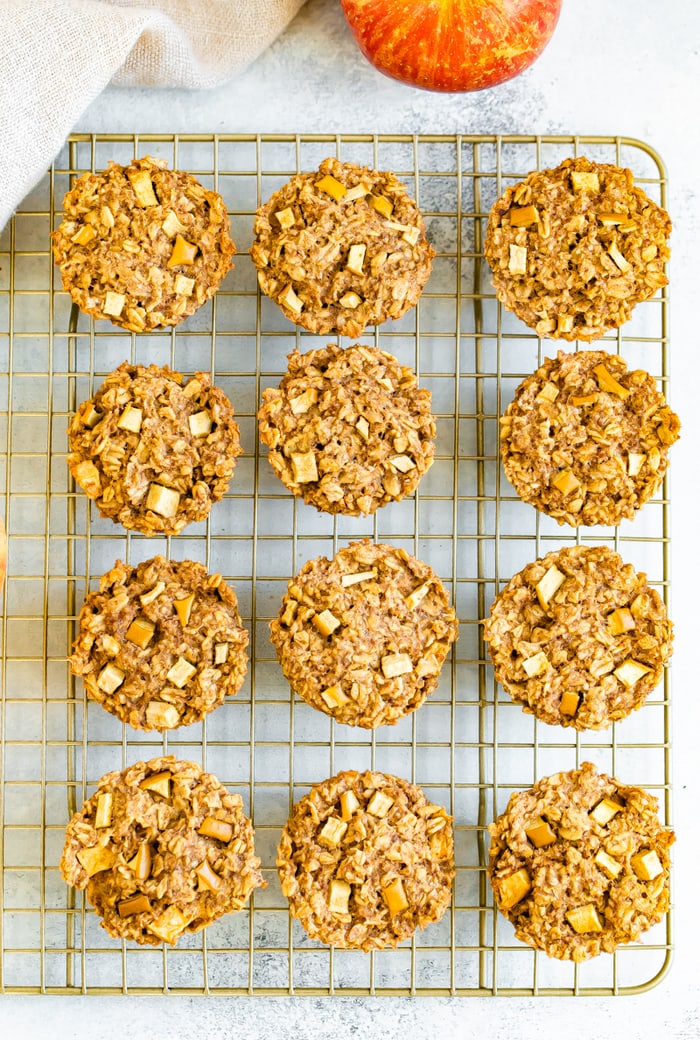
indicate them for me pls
(365, 859)
(161, 644)
(142, 245)
(574, 249)
(579, 638)
(580, 864)
(152, 450)
(341, 248)
(348, 430)
(586, 441)
(162, 848)
(363, 636)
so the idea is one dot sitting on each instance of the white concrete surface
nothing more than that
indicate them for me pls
(629, 67)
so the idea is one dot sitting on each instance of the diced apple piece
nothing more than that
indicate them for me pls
(334, 696)
(403, 463)
(172, 226)
(357, 192)
(141, 862)
(621, 621)
(103, 813)
(568, 705)
(350, 300)
(161, 715)
(130, 419)
(95, 859)
(181, 673)
(136, 904)
(200, 424)
(326, 622)
(535, 665)
(183, 608)
(540, 833)
(183, 253)
(612, 218)
(566, 482)
(394, 665)
(338, 896)
(290, 299)
(169, 925)
(548, 585)
(565, 323)
(416, 595)
(356, 258)
(332, 831)
(220, 653)
(208, 878)
(84, 235)
(114, 303)
(332, 187)
(362, 427)
(604, 811)
(618, 259)
(607, 381)
(611, 866)
(549, 392)
(523, 216)
(411, 235)
(381, 204)
(635, 462)
(143, 187)
(379, 804)
(348, 805)
(162, 500)
(395, 897)
(630, 672)
(646, 865)
(584, 919)
(152, 594)
(585, 181)
(88, 476)
(517, 261)
(304, 470)
(285, 217)
(110, 678)
(183, 286)
(221, 830)
(140, 631)
(359, 576)
(159, 783)
(513, 888)
(301, 404)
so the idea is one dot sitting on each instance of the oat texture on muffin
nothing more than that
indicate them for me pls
(160, 644)
(141, 245)
(580, 864)
(585, 440)
(162, 849)
(574, 249)
(579, 638)
(364, 636)
(365, 859)
(348, 430)
(342, 248)
(153, 450)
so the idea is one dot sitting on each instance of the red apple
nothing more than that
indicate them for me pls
(452, 45)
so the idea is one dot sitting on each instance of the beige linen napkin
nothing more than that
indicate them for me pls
(56, 56)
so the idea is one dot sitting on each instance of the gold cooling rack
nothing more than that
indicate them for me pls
(469, 746)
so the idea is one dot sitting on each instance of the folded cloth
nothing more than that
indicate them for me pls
(56, 56)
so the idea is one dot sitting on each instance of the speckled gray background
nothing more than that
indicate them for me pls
(629, 67)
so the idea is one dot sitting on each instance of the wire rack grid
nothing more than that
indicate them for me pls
(468, 746)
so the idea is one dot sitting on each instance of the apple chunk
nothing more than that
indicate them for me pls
(452, 45)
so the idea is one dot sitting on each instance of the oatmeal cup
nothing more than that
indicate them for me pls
(162, 849)
(152, 450)
(141, 245)
(160, 645)
(580, 864)
(585, 440)
(363, 637)
(574, 249)
(348, 430)
(341, 248)
(365, 859)
(579, 638)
